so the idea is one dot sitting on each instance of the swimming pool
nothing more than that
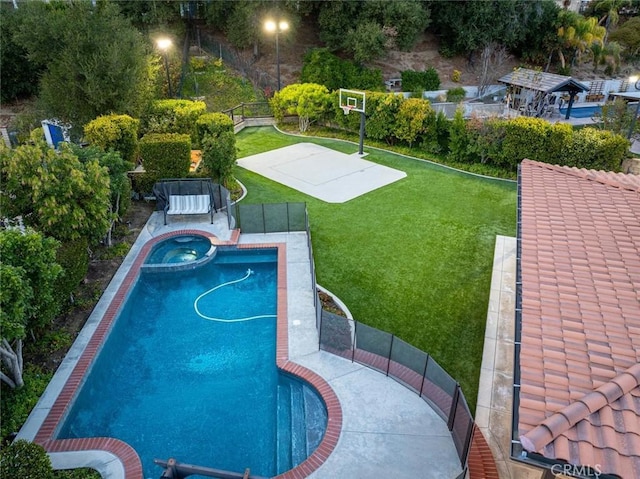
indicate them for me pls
(196, 377)
(582, 111)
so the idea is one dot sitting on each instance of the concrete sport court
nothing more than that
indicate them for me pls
(321, 172)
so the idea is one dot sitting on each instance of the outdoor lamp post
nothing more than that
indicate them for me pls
(634, 79)
(277, 27)
(164, 44)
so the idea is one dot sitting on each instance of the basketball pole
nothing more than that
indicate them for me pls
(361, 148)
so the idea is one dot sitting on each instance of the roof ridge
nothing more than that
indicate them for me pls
(608, 178)
(569, 416)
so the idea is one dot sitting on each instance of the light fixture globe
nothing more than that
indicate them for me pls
(164, 43)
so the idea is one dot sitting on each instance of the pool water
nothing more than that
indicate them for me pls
(582, 111)
(179, 249)
(173, 384)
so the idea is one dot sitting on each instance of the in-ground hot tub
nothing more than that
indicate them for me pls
(179, 250)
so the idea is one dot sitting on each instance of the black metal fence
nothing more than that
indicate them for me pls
(366, 345)
(271, 218)
(408, 365)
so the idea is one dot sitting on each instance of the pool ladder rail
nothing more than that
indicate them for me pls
(176, 470)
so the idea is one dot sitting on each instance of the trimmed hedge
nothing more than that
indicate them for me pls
(427, 80)
(596, 149)
(505, 143)
(165, 155)
(218, 142)
(117, 132)
(174, 116)
(213, 124)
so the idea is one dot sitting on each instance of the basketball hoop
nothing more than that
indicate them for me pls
(346, 108)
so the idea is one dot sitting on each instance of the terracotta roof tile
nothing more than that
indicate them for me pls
(580, 352)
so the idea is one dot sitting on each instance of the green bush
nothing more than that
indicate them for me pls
(324, 68)
(73, 256)
(595, 149)
(219, 155)
(164, 156)
(117, 132)
(456, 95)
(213, 124)
(25, 460)
(16, 404)
(524, 137)
(174, 116)
(382, 116)
(427, 80)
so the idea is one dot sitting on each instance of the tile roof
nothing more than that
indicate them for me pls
(580, 352)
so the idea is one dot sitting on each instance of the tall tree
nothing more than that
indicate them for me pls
(18, 76)
(577, 35)
(119, 182)
(53, 191)
(95, 61)
(628, 36)
(402, 20)
(28, 298)
(609, 11)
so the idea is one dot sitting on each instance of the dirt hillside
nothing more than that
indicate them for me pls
(424, 55)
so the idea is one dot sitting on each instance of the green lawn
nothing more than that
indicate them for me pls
(413, 258)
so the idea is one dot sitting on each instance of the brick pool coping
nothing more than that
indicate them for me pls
(123, 451)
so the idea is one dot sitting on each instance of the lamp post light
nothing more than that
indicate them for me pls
(278, 27)
(634, 79)
(164, 44)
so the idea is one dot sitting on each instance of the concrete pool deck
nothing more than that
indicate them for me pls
(387, 430)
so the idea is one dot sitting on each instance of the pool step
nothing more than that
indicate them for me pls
(298, 425)
(302, 420)
(284, 427)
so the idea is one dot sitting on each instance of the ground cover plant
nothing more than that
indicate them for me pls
(218, 86)
(413, 258)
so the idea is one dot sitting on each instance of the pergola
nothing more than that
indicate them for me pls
(530, 90)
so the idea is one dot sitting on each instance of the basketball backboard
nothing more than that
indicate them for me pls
(352, 100)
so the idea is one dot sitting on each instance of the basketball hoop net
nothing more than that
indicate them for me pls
(346, 108)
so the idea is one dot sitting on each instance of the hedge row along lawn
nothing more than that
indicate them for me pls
(413, 258)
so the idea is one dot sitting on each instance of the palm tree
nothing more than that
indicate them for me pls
(578, 35)
(610, 9)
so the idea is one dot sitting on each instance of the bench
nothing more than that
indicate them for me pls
(188, 205)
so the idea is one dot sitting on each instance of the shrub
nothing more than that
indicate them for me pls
(309, 101)
(213, 124)
(525, 137)
(174, 116)
(25, 460)
(73, 256)
(117, 132)
(164, 156)
(456, 95)
(595, 149)
(324, 68)
(427, 80)
(219, 155)
(16, 404)
(415, 119)
(456, 76)
(382, 116)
